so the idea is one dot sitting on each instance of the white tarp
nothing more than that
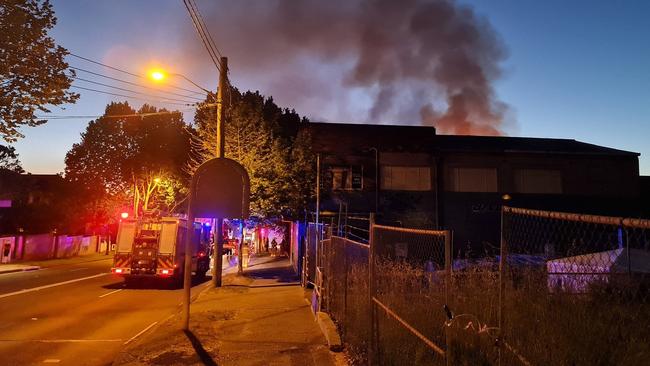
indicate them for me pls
(575, 274)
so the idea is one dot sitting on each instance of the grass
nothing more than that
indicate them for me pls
(606, 325)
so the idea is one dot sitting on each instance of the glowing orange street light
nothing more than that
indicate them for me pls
(157, 75)
(160, 75)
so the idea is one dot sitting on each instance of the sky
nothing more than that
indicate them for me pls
(572, 69)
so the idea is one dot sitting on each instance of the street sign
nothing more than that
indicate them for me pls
(221, 190)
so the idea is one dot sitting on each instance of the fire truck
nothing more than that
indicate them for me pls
(155, 248)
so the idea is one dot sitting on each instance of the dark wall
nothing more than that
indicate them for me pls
(405, 208)
(588, 175)
(594, 185)
(644, 183)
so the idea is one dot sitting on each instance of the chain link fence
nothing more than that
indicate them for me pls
(574, 289)
(348, 298)
(310, 254)
(409, 293)
(563, 289)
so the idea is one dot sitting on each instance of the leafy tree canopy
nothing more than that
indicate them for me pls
(267, 141)
(134, 159)
(9, 159)
(32, 67)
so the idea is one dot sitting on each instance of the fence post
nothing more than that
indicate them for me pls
(502, 268)
(55, 246)
(448, 268)
(627, 249)
(327, 269)
(346, 228)
(371, 292)
(345, 286)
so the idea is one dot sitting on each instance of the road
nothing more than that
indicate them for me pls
(77, 314)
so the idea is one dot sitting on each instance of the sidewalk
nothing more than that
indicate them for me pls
(11, 268)
(261, 318)
(20, 266)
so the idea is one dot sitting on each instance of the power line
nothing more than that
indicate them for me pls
(54, 117)
(129, 73)
(104, 65)
(132, 91)
(206, 38)
(206, 31)
(134, 84)
(196, 20)
(128, 96)
(202, 35)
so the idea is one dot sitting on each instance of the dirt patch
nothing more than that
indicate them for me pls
(174, 358)
(218, 315)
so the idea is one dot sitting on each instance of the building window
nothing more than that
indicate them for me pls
(340, 178)
(473, 180)
(405, 178)
(347, 178)
(541, 181)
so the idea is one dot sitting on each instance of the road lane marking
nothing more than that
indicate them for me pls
(51, 285)
(51, 360)
(77, 269)
(140, 333)
(112, 292)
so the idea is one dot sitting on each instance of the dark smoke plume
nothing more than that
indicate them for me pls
(431, 62)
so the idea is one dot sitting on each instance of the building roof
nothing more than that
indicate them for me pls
(507, 144)
(328, 137)
(12, 182)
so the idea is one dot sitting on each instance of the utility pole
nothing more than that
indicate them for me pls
(217, 258)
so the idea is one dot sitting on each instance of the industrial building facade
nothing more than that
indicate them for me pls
(411, 176)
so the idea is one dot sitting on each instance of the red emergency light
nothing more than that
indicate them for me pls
(118, 270)
(165, 272)
(125, 215)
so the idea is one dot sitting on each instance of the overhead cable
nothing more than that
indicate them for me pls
(202, 35)
(206, 31)
(134, 84)
(129, 73)
(54, 117)
(129, 96)
(132, 91)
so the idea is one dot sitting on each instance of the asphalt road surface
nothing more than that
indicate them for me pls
(77, 314)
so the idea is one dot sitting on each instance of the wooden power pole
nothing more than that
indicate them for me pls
(217, 257)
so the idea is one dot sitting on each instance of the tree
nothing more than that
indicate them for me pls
(32, 67)
(9, 159)
(132, 159)
(265, 139)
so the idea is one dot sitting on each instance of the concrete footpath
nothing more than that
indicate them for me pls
(260, 318)
(22, 266)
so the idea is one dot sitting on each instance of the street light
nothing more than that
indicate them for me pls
(160, 75)
(157, 75)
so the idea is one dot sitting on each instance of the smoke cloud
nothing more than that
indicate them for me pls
(415, 61)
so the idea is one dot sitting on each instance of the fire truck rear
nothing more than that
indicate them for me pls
(156, 248)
